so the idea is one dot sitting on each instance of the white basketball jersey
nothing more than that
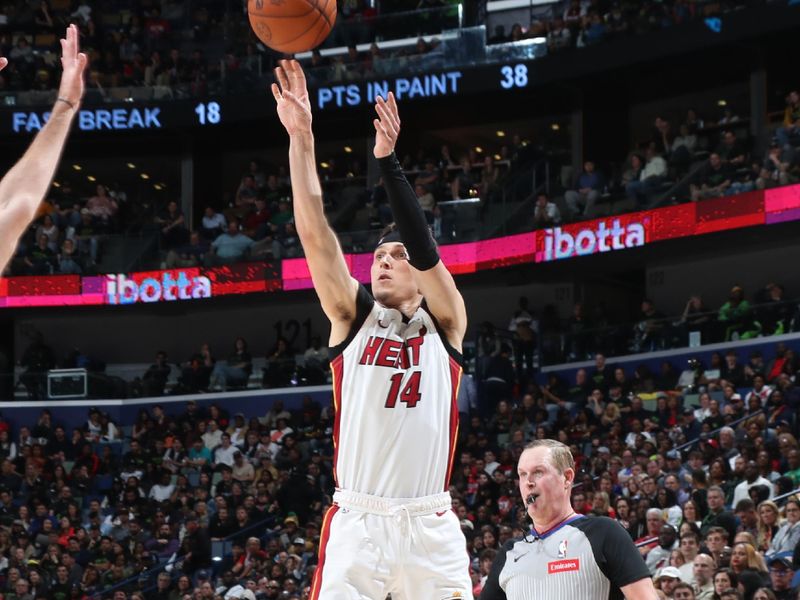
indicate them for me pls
(395, 386)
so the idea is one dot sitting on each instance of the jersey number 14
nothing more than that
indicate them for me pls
(410, 393)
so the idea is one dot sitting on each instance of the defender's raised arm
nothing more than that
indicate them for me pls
(24, 186)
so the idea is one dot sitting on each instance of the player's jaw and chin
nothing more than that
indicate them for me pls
(393, 286)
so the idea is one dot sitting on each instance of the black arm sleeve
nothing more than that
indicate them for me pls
(615, 552)
(491, 589)
(408, 215)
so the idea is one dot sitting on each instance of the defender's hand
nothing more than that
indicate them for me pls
(74, 64)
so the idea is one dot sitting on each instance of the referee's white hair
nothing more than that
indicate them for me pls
(560, 455)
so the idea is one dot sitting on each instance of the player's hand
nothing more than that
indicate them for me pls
(291, 94)
(387, 126)
(3, 62)
(73, 62)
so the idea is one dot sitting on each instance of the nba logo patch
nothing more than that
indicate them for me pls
(562, 549)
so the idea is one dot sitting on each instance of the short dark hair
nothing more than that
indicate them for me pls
(683, 586)
(720, 531)
(691, 534)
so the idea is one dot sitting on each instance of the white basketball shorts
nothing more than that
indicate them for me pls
(371, 547)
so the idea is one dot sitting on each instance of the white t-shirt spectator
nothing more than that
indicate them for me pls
(224, 456)
(212, 439)
(656, 166)
(238, 436)
(215, 222)
(159, 492)
(742, 491)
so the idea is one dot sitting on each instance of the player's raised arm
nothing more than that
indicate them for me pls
(334, 285)
(25, 185)
(435, 281)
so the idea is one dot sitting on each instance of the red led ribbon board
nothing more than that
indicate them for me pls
(610, 234)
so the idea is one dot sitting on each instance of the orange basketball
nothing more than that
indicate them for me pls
(292, 26)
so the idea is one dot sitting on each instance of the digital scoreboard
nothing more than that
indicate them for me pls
(219, 111)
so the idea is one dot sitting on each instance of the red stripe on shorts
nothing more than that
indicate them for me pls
(324, 535)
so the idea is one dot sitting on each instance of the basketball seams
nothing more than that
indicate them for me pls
(302, 34)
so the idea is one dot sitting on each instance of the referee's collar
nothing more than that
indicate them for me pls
(552, 530)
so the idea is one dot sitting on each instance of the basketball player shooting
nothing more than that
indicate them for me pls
(396, 364)
(24, 186)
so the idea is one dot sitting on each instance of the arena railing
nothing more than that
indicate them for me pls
(558, 346)
(786, 496)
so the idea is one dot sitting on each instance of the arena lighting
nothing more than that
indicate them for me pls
(555, 126)
(348, 149)
(478, 149)
(77, 167)
(144, 176)
(722, 103)
(131, 166)
(497, 157)
(324, 165)
(500, 133)
(91, 178)
(56, 184)
(605, 235)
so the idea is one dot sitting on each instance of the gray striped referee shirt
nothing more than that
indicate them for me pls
(583, 558)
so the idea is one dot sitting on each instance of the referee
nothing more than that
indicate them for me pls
(566, 556)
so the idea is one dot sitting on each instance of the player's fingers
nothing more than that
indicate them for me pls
(72, 37)
(300, 76)
(386, 119)
(276, 92)
(378, 127)
(283, 80)
(282, 76)
(387, 113)
(393, 106)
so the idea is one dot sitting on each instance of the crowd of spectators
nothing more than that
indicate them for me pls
(690, 471)
(67, 236)
(139, 45)
(589, 329)
(691, 158)
(257, 223)
(582, 23)
(187, 50)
